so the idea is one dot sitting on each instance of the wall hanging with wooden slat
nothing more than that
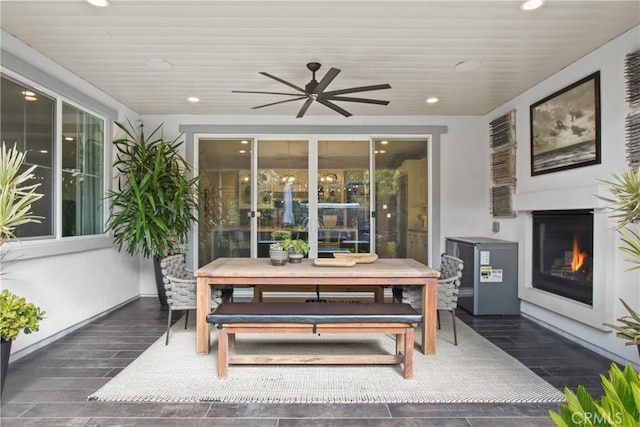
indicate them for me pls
(633, 139)
(632, 122)
(632, 75)
(503, 164)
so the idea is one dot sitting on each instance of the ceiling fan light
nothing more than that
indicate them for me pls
(99, 3)
(531, 4)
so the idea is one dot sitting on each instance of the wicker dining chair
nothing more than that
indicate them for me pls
(180, 286)
(448, 288)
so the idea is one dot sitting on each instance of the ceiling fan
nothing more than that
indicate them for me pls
(315, 91)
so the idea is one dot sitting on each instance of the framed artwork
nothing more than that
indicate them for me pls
(565, 128)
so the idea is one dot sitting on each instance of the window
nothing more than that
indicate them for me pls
(82, 172)
(29, 120)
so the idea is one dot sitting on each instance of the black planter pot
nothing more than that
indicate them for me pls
(162, 296)
(5, 350)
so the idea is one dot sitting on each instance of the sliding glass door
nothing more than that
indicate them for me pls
(224, 227)
(343, 197)
(282, 189)
(340, 195)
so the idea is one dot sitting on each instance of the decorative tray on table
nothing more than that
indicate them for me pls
(333, 262)
(358, 258)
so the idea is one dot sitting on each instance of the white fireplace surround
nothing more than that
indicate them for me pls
(603, 245)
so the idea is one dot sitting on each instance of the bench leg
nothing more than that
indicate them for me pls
(408, 353)
(223, 361)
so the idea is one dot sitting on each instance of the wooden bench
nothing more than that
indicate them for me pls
(317, 318)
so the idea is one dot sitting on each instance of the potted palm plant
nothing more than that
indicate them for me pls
(16, 197)
(624, 205)
(155, 203)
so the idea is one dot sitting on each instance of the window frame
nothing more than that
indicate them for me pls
(56, 244)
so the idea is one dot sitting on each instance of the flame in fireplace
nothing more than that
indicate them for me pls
(578, 257)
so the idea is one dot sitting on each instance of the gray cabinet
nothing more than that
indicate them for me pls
(489, 282)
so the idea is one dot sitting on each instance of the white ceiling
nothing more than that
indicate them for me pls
(219, 46)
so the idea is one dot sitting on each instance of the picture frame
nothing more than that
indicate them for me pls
(565, 128)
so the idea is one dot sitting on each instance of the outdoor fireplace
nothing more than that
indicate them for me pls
(563, 253)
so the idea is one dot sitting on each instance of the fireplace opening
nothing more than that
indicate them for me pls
(563, 253)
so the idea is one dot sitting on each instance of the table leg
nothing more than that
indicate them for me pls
(203, 306)
(429, 314)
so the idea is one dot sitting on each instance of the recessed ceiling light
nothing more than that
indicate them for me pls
(30, 98)
(432, 100)
(531, 4)
(99, 3)
(384, 142)
(242, 151)
(244, 141)
(193, 99)
(68, 138)
(468, 65)
(158, 64)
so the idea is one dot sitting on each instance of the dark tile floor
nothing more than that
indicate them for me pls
(50, 386)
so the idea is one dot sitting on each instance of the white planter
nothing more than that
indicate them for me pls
(278, 257)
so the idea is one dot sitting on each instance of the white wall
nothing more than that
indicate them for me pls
(72, 279)
(574, 189)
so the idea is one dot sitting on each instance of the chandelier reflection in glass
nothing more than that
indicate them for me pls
(328, 177)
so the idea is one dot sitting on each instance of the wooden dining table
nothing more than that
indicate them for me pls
(259, 271)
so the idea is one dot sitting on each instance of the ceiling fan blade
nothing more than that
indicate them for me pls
(267, 93)
(334, 107)
(350, 99)
(304, 108)
(326, 80)
(357, 89)
(278, 102)
(278, 79)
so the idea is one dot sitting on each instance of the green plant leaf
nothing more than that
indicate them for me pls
(16, 198)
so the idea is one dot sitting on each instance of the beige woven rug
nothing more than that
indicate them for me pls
(474, 371)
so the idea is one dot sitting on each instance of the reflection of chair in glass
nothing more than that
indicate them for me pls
(329, 240)
(448, 288)
(180, 286)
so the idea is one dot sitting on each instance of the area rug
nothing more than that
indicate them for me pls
(474, 371)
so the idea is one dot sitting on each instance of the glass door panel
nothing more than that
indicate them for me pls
(224, 227)
(343, 197)
(282, 192)
(401, 198)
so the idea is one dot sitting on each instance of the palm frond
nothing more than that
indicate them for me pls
(16, 196)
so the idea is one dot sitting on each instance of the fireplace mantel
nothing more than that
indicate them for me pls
(561, 198)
